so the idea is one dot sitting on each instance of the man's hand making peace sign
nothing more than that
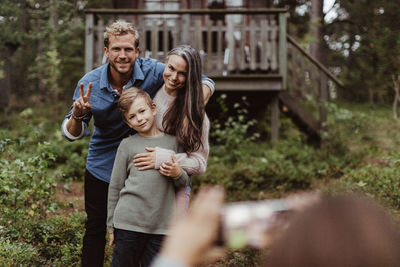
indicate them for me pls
(81, 105)
(80, 108)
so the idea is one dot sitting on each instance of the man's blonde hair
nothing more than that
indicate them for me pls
(118, 28)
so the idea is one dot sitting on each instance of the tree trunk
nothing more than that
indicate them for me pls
(53, 22)
(396, 86)
(5, 83)
(316, 31)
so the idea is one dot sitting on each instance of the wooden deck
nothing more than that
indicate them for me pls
(254, 44)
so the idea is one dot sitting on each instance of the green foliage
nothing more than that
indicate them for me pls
(47, 69)
(366, 42)
(33, 155)
(24, 188)
(53, 242)
(378, 179)
(45, 42)
(232, 130)
(18, 254)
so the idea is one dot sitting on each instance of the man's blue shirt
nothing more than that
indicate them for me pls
(109, 127)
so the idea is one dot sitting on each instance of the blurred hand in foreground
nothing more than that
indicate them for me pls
(191, 238)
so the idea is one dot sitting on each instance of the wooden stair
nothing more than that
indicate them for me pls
(303, 119)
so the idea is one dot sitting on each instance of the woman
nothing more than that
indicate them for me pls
(180, 112)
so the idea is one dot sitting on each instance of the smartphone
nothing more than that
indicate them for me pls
(247, 223)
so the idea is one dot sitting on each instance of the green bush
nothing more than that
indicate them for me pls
(25, 188)
(18, 254)
(379, 180)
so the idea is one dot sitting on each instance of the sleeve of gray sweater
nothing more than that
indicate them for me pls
(118, 177)
(182, 180)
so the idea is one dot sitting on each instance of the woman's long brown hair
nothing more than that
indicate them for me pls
(184, 118)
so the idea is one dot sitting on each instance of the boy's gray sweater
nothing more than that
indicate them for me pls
(142, 201)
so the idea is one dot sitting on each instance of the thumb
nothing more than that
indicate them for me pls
(173, 159)
(150, 149)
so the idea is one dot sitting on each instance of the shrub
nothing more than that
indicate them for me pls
(18, 254)
(378, 180)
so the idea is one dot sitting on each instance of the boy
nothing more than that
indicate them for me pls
(140, 203)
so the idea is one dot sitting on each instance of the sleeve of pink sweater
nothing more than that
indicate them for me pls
(193, 163)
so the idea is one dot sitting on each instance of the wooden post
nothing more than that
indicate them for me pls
(165, 39)
(242, 51)
(209, 63)
(273, 51)
(275, 118)
(99, 43)
(154, 39)
(89, 41)
(185, 29)
(264, 45)
(282, 49)
(253, 45)
(197, 35)
(220, 45)
(231, 46)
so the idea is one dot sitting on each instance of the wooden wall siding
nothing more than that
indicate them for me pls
(256, 49)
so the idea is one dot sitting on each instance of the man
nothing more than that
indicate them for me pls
(103, 87)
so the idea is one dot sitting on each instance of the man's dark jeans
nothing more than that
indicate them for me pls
(135, 249)
(94, 240)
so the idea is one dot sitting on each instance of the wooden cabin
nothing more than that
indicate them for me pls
(242, 49)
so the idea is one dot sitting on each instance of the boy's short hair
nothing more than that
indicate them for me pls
(129, 95)
(118, 28)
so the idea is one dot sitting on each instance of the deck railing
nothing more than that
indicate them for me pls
(251, 40)
(309, 80)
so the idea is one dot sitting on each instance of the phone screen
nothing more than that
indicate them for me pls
(247, 223)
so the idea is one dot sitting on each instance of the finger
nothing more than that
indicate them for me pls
(166, 167)
(88, 106)
(165, 170)
(141, 156)
(77, 105)
(173, 159)
(81, 89)
(141, 164)
(80, 101)
(167, 163)
(145, 168)
(89, 90)
(150, 149)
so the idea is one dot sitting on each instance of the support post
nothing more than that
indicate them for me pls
(275, 118)
(283, 49)
(89, 41)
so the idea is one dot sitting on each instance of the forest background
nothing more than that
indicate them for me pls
(42, 58)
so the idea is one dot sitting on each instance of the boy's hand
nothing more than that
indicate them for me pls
(112, 240)
(171, 169)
